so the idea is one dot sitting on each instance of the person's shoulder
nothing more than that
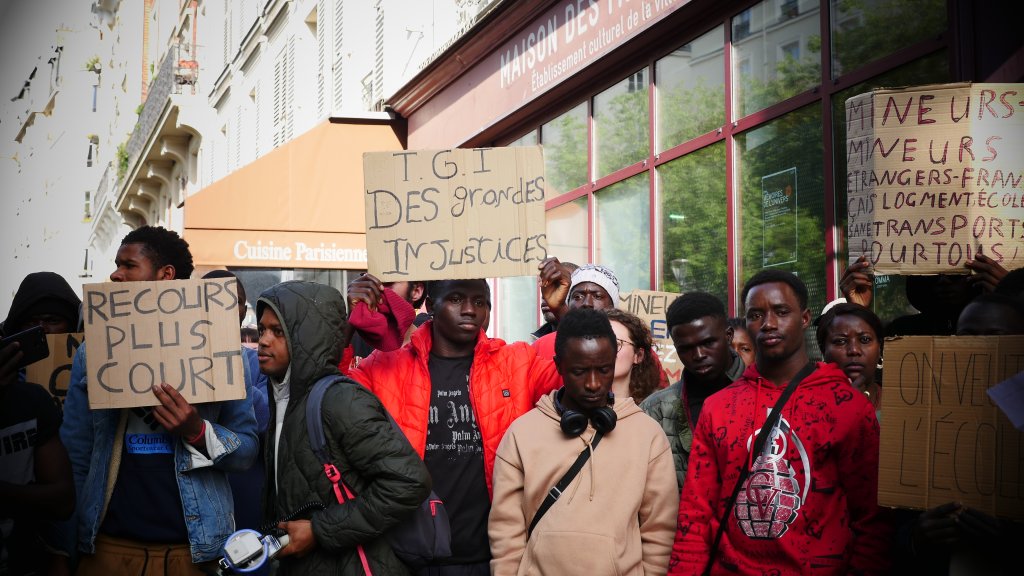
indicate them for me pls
(655, 400)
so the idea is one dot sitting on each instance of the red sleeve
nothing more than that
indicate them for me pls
(858, 473)
(544, 376)
(346, 365)
(698, 520)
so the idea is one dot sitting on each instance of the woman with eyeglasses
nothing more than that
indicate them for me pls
(637, 374)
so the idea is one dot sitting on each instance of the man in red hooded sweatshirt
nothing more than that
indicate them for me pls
(809, 502)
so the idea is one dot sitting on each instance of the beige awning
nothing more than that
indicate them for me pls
(300, 206)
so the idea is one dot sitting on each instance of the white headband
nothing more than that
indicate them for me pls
(599, 275)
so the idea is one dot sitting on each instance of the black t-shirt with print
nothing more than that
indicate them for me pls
(455, 459)
(28, 418)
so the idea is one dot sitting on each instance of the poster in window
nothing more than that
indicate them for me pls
(778, 216)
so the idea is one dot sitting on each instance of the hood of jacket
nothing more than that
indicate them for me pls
(824, 373)
(314, 319)
(37, 288)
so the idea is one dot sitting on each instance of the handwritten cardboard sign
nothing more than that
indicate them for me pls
(182, 332)
(650, 306)
(934, 177)
(54, 371)
(942, 437)
(447, 214)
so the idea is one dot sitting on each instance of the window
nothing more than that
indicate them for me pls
(691, 89)
(790, 50)
(621, 130)
(565, 150)
(624, 231)
(788, 9)
(87, 213)
(741, 26)
(95, 92)
(863, 32)
(567, 231)
(284, 92)
(771, 77)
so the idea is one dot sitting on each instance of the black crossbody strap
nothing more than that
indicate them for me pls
(758, 447)
(557, 489)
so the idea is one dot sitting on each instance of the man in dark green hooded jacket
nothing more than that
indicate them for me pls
(301, 326)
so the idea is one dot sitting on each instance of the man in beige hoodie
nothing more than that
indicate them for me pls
(616, 516)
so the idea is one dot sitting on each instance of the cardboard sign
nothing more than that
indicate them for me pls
(450, 214)
(182, 332)
(650, 306)
(934, 177)
(942, 437)
(54, 371)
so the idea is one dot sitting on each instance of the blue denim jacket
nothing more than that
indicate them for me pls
(89, 436)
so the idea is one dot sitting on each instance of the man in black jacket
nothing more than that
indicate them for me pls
(301, 326)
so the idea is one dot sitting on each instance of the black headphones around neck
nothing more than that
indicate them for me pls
(573, 423)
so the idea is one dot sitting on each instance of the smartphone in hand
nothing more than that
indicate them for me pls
(32, 345)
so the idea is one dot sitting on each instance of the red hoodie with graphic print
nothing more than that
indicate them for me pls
(809, 504)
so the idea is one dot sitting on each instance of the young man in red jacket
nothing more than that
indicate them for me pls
(454, 392)
(809, 503)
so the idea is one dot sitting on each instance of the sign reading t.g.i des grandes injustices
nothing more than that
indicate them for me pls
(447, 214)
(942, 438)
(182, 332)
(935, 176)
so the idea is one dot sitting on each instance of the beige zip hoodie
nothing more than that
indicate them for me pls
(618, 517)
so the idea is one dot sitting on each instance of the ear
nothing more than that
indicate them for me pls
(638, 355)
(166, 272)
(805, 318)
(729, 333)
(416, 291)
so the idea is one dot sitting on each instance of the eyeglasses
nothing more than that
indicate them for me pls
(618, 347)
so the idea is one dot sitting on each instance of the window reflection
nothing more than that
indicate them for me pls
(694, 237)
(518, 297)
(565, 150)
(691, 90)
(776, 53)
(567, 232)
(621, 124)
(624, 231)
(865, 30)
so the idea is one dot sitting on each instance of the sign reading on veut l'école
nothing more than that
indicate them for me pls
(942, 438)
(54, 371)
(182, 332)
(934, 177)
(465, 213)
(650, 306)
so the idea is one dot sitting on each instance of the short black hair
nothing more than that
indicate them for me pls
(436, 289)
(1012, 304)
(583, 323)
(848, 309)
(163, 247)
(693, 306)
(772, 275)
(737, 322)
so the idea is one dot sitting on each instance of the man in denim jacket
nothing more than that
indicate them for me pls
(151, 485)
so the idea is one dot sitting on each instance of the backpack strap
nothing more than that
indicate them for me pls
(318, 443)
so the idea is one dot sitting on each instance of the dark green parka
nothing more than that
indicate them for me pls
(375, 460)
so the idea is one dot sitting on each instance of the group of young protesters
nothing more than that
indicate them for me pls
(568, 455)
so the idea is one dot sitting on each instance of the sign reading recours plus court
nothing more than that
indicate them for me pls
(181, 332)
(447, 214)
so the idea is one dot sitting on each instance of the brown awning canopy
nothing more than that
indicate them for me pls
(300, 206)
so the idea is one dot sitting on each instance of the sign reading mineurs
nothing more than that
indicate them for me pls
(182, 332)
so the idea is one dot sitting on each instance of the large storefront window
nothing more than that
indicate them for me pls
(782, 200)
(517, 302)
(694, 233)
(691, 90)
(622, 130)
(623, 238)
(776, 53)
(565, 150)
(865, 30)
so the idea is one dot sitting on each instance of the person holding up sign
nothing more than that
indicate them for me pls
(454, 392)
(151, 482)
(35, 475)
(798, 491)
